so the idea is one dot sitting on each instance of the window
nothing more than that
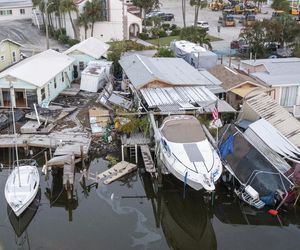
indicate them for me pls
(2, 58)
(55, 86)
(5, 12)
(62, 77)
(14, 59)
(22, 11)
(289, 96)
(43, 94)
(81, 66)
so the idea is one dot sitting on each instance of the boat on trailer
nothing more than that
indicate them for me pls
(187, 154)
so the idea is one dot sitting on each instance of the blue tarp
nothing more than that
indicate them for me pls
(226, 147)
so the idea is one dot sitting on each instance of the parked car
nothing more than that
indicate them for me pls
(203, 24)
(153, 13)
(166, 16)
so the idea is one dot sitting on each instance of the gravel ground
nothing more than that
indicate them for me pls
(32, 39)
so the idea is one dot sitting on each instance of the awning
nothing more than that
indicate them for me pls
(243, 91)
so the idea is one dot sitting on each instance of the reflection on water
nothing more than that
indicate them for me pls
(57, 194)
(186, 221)
(20, 224)
(133, 213)
(147, 234)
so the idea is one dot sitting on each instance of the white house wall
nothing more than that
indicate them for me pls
(16, 13)
(116, 28)
(52, 92)
(80, 57)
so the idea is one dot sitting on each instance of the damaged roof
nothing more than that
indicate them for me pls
(265, 106)
(142, 70)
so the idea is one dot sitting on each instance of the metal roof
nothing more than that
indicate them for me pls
(91, 46)
(39, 69)
(274, 139)
(280, 118)
(279, 72)
(174, 71)
(183, 98)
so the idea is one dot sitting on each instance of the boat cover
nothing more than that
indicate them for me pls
(250, 166)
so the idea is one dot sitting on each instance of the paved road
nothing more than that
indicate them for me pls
(29, 36)
(226, 33)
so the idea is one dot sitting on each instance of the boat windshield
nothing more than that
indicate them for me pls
(185, 130)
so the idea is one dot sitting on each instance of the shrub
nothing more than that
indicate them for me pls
(165, 26)
(164, 52)
(144, 36)
(72, 42)
(176, 32)
(63, 38)
(147, 22)
(173, 26)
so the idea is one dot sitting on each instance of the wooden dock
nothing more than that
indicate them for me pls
(62, 143)
(147, 158)
(117, 171)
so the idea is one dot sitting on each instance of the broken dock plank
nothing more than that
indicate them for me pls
(147, 158)
(115, 172)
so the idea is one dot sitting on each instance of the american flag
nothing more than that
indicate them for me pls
(215, 113)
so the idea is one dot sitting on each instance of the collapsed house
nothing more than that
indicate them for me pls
(169, 85)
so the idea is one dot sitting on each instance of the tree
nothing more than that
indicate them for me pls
(198, 4)
(146, 5)
(281, 5)
(83, 20)
(93, 9)
(196, 35)
(183, 6)
(67, 6)
(254, 36)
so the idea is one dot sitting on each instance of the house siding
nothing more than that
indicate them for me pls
(50, 91)
(6, 50)
(16, 14)
(80, 57)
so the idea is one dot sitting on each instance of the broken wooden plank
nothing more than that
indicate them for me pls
(147, 158)
(117, 171)
(59, 160)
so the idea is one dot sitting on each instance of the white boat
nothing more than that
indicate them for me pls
(23, 182)
(21, 187)
(187, 154)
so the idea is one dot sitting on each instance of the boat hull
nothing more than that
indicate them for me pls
(19, 197)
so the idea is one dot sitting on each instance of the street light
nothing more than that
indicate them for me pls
(46, 22)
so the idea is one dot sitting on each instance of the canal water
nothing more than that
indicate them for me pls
(132, 213)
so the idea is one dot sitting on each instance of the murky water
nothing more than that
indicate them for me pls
(132, 214)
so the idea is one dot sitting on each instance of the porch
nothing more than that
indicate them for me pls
(19, 98)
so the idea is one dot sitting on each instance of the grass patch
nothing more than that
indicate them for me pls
(165, 41)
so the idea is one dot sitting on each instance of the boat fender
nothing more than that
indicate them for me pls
(272, 212)
(44, 170)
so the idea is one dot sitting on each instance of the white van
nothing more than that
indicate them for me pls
(203, 24)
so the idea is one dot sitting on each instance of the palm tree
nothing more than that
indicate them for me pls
(83, 20)
(198, 4)
(67, 6)
(183, 4)
(93, 9)
(196, 35)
